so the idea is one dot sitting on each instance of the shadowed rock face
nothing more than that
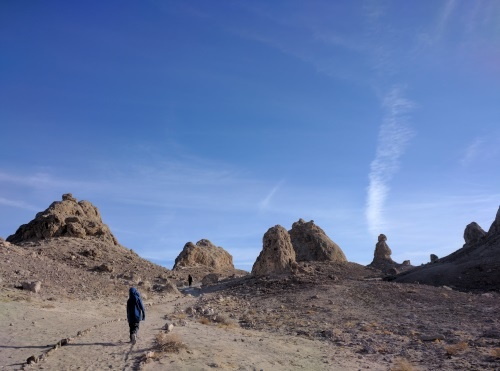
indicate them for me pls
(311, 243)
(473, 267)
(473, 233)
(382, 258)
(204, 254)
(382, 250)
(66, 218)
(277, 255)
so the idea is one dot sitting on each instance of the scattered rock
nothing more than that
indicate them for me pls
(168, 327)
(105, 268)
(210, 279)
(433, 337)
(166, 287)
(34, 286)
(277, 255)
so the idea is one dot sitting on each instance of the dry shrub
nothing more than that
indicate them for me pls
(349, 324)
(204, 321)
(169, 343)
(224, 321)
(495, 353)
(451, 350)
(402, 365)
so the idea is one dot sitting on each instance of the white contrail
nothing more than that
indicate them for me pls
(264, 204)
(393, 136)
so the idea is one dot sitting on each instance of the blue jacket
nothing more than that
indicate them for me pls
(135, 308)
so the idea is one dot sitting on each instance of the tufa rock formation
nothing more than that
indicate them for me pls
(277, 255)
(382, 258)
(66, 218)
(476, 266)
(204, 254)
(311, 243)
(473, 233)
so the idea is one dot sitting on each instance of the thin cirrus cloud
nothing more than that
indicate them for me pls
(393, 138)
(17, 204)
(264, 204)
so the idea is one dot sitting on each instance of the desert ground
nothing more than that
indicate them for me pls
(319, 319)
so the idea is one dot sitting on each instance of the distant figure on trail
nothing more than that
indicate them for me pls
(190, 280)
(135, 313)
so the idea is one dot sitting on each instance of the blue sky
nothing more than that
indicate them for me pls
(183, 120)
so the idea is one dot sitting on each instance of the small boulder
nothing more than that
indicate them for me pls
(434, 258)
(34, 286)
(210, 279)
(168, 327)
(104, 268)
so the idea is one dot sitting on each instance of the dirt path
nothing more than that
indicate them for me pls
(31, 330)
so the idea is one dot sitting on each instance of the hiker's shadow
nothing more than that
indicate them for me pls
(90, 344)
(24, 346)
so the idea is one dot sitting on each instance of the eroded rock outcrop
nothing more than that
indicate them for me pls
(476, 266)
(311, 243)
(277, 255)
(382, 258)
(382, 255)
(473, 233)
(204, 254)
(66, 218)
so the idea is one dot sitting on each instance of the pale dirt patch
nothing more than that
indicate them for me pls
(106, 346)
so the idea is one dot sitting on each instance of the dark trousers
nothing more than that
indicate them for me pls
(134, 327)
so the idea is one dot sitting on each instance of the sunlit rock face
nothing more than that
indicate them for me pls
(66, 218)
(277, 255)
(311, 243)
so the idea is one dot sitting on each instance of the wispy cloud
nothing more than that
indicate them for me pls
(436, 31)
(18, 204)
(44, 180)
(471, 152)
(264, 204)
(393, 137)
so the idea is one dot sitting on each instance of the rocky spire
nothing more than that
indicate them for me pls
(277, 255)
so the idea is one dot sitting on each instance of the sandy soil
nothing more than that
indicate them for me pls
(33, 327)
(325, 317)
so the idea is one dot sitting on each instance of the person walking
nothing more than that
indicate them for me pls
(190, 280)
(135, 313)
